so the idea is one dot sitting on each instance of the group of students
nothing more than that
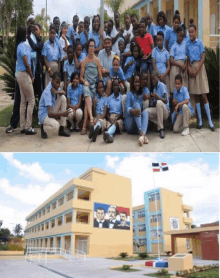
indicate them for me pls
(99, 78)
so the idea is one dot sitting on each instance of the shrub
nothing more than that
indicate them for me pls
(126, 267)
(191, 270)
(123, 254)
(168, 252)
(143, 255)
(186, 272)
(14, 247)
(4, 247)
(194, 275)
(177, 274)
(162, 272)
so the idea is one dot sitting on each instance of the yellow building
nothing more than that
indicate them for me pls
(78, 216)
(204, 12)
(154, 218)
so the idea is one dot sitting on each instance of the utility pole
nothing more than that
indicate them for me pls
(102, 13)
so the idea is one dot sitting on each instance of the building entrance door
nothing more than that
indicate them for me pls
(82, 245)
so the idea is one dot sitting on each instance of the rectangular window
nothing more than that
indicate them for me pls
(43, 212)
(60, 220)
(156, 234)
(39, 214)
(155, 218)
(42, 227)
(47, 226)
(142, 228)
(39, 228)
(152, 197)
(69, 196)
(133, 214)
(54, 205)
(61, 201)
(141, 214)
(52, 223)
(142, 241)
(68, 217)
(48, 209)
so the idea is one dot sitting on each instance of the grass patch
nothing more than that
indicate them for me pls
(129, 270)
(130, 258)
(210, 273)
(158, 275)
(215, 120)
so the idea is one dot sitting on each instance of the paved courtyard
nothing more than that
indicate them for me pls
(77, 268)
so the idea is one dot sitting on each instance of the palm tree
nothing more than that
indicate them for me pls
(114, 5)
(43, 19)
(18, 229)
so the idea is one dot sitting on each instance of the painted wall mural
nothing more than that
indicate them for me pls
(111, 217)
(174, 223)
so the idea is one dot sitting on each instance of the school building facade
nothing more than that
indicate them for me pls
(68, 218)
(206, 15)
(155, 217)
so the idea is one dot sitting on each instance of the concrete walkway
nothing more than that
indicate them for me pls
(198, 141)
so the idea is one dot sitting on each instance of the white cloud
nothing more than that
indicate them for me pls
(28, 170)
(111, 161)
(195, 180)
(68, 171)
(30, 194)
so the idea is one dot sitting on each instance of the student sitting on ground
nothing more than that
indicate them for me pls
(69, 66)
(52, 106)
(74, 101)
(181, 106)
(114, 113)
(100, 112)
(160, 110)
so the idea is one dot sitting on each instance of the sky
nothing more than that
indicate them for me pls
(28, 179)
(66, 9)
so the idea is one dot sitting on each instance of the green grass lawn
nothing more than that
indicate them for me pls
(158, 275)
(210, 273)
(129, 270)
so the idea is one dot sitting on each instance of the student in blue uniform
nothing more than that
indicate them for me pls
(182, 107)
(171, 34)
(161, 60)
(100, 112)
(80, 28)
(69, 66)
(51, 55)
(74, 101)
(122, 48)
(146, 92)
(198, 82)
(72, 33)
(97, 34)
(151, 27)
(133, 63)
(178, 60)
(160, 101)
(56, 24)
(136, 120)
(84, 36)
(114, 113)
(162, 24)
(79, 55)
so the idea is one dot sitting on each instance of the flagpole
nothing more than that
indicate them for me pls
(158, 247)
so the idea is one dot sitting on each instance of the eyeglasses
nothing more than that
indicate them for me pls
(91, 46)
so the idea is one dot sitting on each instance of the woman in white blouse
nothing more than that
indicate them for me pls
(63, 45)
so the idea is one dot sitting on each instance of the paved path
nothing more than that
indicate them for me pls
(198, 141)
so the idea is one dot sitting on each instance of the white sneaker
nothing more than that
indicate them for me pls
(185, 131)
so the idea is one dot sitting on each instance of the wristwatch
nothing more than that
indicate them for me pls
(49, 69)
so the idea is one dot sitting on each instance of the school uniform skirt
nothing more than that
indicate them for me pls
(176, 70)
(54, 66)
(198, 85)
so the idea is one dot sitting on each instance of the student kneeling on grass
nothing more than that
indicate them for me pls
(74, 101)
(183, 110)
(52, 106)
(114, 113)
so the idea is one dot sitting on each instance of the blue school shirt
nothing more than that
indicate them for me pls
(119, 74)
(146, 91)
(115, 104)
(161, 58)
(161, 89)
(171, 37)
(81, 57)
(47, 99)
(131, 99)
(69, 34)
(182, 95)
(164, 29)
(100, 104)
(178, 51)
(69, 68)
(52, 52)
(194, 50)
(83, 39)
(74, 94)
(131, 69)
(23, 50)
(95, 35)
(152, 29)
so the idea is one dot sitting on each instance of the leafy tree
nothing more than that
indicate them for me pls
(114, 5)
(193, 226)
(43, 19)
(5, 232)
(130, 12)
(18, 229)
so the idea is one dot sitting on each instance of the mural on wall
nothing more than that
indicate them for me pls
(174, 223)
(111, 217)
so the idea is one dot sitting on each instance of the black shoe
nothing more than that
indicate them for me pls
(63, 132)
(212, 128)
(199, 126)
(108, 138)
(96, 132)
(162, 134)
(43, 133)
(10, 129)
(30, 131)
(91, 131)
(22, 131)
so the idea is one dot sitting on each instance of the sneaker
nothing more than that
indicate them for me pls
(63, 132)
(10, 129)
(96, 132)
(108, 138)
(185, 131)
(71, 128)
(212, 128)
(77, 129)
(91, 131)
(22, 131)
(43, 133)
(162, 134)
(30, 131)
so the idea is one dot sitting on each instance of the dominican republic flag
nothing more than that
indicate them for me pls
(160, 167)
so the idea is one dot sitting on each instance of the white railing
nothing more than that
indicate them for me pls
(215, 41)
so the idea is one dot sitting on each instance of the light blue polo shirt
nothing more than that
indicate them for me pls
(47, 99)
(95, 35)
(83, 39)
(115, 104)
(161, 89)
(23, 50)
(194, 50)
(178, 51)
(131, 69)
(100, 104)
(146, 91)
(69, 68)
(171, 37)
(69, 34)
(152, 29)
(52, 52)
(74, 94)
(81, 57)
(119, 74)
(161, 58)
(164, 29)
(182, 95)
(131, 99)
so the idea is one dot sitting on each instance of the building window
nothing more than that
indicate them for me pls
(133, 214)
(68, 217)
(48, 209)
(42, 227)
(152, 197)
(52, 223)
(61, 201)
(154, 233)
(133, 230)
(47, 226)
(69, 196)
(60, 220)
(54, 205)
(43, 212)
(142, 241)
(141, 214)
(39, 214)
(188, 243)
(142, 228)
(155, 218)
